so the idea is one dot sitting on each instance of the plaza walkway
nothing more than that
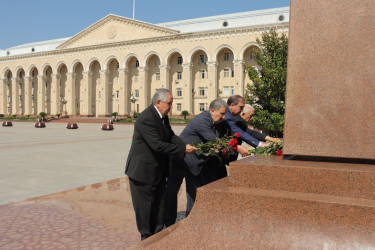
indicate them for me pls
(65, 188)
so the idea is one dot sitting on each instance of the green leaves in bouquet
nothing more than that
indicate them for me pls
(215, 147)
(272, 149)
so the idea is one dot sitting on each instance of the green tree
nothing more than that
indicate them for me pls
(267, 93)
(185, 113)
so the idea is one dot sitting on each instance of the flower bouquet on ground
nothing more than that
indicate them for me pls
(272, 149)
(219, 146)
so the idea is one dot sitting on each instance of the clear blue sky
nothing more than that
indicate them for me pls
(25, 21)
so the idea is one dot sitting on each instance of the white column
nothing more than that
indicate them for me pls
(239, 77)
(3, 96)
(164, 76)
(212, 77)
(103, 88)
(15, 94)
(28, 94)
(144, 95)
(55, 96)
(187, 76)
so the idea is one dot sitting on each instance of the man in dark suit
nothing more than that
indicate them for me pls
(244, 119)
(236, 103)
(148, 160)
(195, 168)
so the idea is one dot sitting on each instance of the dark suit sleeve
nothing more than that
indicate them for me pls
(244, 136)
(152, 137)
(257, 135)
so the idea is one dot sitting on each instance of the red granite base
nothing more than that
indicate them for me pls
(269, 203)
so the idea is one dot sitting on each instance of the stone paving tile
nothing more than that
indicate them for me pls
(38, 162)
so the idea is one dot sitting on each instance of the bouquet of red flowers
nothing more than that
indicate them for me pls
(219, 146)
(272, 149)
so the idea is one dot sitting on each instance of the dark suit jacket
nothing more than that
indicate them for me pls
(152, 143)
(229, 119)
(242, 124)
(200, 129)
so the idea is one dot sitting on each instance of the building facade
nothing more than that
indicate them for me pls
(116, 64)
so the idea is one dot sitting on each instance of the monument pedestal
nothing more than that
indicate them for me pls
(267, 202)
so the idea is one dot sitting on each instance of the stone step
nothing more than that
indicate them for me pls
(337, 179)
(227, 216)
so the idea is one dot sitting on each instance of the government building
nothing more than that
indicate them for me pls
(116, 64)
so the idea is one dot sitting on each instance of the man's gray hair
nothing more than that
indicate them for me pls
(217, 104)
(160, 94)
(247, 108)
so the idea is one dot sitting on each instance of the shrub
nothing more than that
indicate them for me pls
(136, 114)
(185, 113)
(1, 115)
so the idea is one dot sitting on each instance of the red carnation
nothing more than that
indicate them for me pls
(225, 151)
(235, 148)
(237, 135)
(279, 152)
(231, 143)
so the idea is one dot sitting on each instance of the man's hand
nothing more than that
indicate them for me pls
(276, 140)
(242, 150)
(190, 149)
(264, 144)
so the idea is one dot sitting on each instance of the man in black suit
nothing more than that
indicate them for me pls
(195, 168)
(244, 119)
(148, 160)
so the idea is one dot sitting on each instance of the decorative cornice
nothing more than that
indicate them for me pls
(143, 41)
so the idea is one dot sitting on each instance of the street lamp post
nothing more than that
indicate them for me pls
(133, 100)
(63, 101)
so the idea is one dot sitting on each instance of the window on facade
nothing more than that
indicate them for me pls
(46, 84)
(201, 107)
(232, 72)
(137, 64)
(20, 98)
(226, 91)
(179, 107)
(226, 57)
(8, 98)
(32, 97)
(179, 60)
(203, 74)
(46, 97)
(32, 73)
(179, 91)
(136, 93)
(201, 91)
(117, 94)
(179, 75)
(32, 85)
(32, 110)
(8, 107)
(157, 76)
(201, 59)
(20, 85)
(226, 72)
(136, 78)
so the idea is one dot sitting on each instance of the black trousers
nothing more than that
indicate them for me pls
(149, 204)
(178, 170)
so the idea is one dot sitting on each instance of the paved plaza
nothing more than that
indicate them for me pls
(39, 161)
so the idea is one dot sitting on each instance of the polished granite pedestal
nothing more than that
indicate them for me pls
(270, 203)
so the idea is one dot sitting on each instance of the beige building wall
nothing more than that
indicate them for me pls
(96, 72)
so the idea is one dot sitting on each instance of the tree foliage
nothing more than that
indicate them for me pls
(267, 92)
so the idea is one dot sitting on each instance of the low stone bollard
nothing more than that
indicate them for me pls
(40, 125)
(107, 127)
(7, 124)
(72, 126)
